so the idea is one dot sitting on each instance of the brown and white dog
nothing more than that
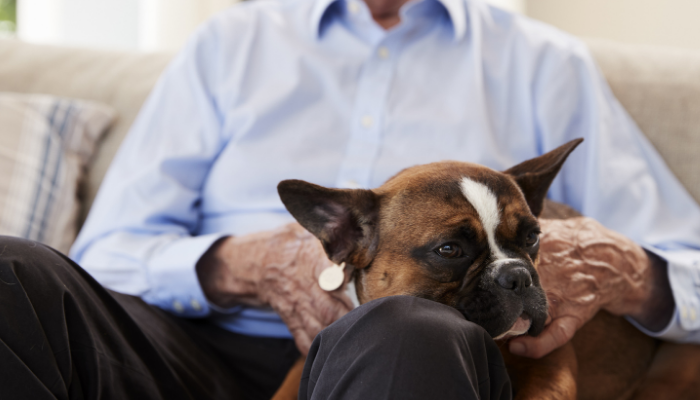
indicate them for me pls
(467, 236)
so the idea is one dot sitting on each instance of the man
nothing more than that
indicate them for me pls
(347, 93)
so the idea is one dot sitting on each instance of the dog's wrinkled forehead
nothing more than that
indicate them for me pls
(451, 193)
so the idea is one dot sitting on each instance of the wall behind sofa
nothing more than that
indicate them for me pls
(164, 25)
(670, 23)
(147, 25)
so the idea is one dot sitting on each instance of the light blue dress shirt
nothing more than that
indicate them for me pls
(316, 90)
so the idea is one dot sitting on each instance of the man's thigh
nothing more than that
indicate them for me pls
(404, 347)
(63, 336)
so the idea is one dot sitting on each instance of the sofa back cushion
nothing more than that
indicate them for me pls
(121, 80)
(660, 89)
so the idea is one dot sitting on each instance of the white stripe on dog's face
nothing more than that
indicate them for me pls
(486, 205)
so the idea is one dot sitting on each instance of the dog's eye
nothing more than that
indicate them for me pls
(449, 251)
(532, 239)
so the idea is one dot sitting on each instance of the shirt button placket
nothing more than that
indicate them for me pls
(370, 101)
(367, 121)
(353, 6)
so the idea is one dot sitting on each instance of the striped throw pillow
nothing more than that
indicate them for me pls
(46, 144)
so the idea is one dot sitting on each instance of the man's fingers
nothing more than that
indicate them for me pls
(555, 335)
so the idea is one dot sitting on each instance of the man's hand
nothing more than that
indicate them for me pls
(585, 267)
(279, 268)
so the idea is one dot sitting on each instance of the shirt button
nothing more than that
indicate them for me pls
(383, 53)
(352, 184)
(195, 305)
(693, 314)
(353, 7)
(178, 306)
(684, 312)
(367, 121)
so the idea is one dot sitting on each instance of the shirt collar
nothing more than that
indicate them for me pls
(458, 15)
(320, 8)
(456, 11)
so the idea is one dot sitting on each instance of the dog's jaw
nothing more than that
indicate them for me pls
(499, 311)
(520, 327)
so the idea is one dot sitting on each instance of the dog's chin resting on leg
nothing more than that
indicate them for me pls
(467, 236)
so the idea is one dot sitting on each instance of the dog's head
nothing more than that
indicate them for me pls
(456, 233)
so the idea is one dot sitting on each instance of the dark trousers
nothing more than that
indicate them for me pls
(63, 336)
(404, 347)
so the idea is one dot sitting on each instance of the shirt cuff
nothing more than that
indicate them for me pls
(175, 285)
(684, 277)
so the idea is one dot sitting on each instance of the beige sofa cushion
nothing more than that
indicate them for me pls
(660, 88)
(45, 143)
(120, 80)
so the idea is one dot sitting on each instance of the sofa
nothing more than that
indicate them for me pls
(659, 87)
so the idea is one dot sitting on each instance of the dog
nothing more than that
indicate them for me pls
(467, 236)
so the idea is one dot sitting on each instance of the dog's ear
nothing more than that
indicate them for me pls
(344, 220)
(535, 175)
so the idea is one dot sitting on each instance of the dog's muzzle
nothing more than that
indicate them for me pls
(517, 285)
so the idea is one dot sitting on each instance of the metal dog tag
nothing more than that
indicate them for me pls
(332, 277)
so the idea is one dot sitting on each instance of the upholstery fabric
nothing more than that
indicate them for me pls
(45, 144)
(660, 89)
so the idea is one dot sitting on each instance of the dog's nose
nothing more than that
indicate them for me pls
(514, 277)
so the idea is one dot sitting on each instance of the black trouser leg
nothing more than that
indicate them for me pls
(62, 336)
(404, 347)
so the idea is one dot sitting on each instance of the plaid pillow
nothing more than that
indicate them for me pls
(45, 145)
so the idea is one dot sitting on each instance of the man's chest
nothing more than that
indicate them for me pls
(354, 116)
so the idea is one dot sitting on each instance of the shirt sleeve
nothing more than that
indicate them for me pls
(140, 237)
(618, 178)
